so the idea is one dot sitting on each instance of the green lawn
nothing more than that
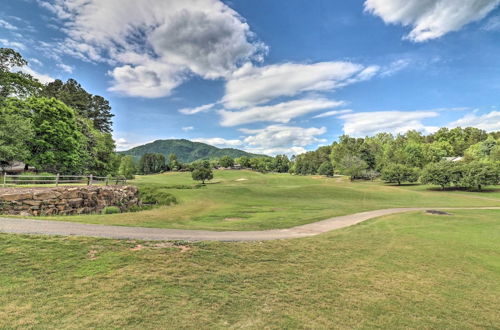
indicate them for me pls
(402, 271)
(245, 200)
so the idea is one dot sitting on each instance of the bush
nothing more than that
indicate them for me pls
(326, 169)
(111, 210)
(398, 173)
(156, 196)
(30, 178)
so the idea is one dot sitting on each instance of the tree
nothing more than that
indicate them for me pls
(398, 173)
(244, 161)
(127, 167)
(353, 166)
(281, 164)
(202, 174)
(443, 174)
(478, 174)
(326, 169)
(173, 164)
(151, 163)
(15, 131)
(57, 143)
(94, 107)
(17, 84)
(226, 161)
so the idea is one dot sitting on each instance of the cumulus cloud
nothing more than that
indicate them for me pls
(155, 44)
(489, 122)
(280, 113)
(281, 139)
(251, 85)
(201, 108)
(220, 142)
(363, 124)
(430, 19)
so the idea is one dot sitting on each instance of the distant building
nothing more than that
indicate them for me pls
(16, 168)
(453, 159)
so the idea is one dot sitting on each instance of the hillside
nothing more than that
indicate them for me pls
(186, 151)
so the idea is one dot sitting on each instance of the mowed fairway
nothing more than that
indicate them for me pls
(246, 200)
(410, 270)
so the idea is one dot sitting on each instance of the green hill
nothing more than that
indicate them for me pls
(186, 151)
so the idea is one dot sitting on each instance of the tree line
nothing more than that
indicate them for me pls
(57, 127)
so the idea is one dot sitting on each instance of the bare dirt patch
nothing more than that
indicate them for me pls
(233, 219)
(436, 212)
(163, 245)
(241, 179)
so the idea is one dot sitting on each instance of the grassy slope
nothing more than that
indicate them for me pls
(402, 271)
(267, 201)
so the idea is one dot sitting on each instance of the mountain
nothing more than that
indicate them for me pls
(186, 151)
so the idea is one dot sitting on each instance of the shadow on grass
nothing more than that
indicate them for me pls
(484, 190)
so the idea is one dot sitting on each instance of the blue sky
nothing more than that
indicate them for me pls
(269, 76)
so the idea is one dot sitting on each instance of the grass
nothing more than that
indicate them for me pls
(410, 270)
(268, 201)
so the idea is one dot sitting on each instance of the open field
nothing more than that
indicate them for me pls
(246, 200)
(409, 270)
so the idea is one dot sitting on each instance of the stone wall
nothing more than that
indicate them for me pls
(66, 200)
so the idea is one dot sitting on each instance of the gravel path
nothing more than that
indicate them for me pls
(44, 227)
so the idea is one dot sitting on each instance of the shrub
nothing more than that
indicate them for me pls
(476, 174)
(326, 169)
(398, 173)
(31, 178)
(111, 210)
(156, 196)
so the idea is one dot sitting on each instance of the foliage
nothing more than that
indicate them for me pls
(186, 151)
(17, 84)
(127, 168)
(16, 131)
(443, 174)
(281, 164)
(156, 196)
(244, 161)
(476, 174)
(57, 144)
(398, 173)
(226, 161)
(352, 166)
(202, 174)
(94, 107)
(111, 210)
(326, 169)
(151, 163)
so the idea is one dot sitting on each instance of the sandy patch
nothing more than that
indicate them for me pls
(233, 219)
(241, 179)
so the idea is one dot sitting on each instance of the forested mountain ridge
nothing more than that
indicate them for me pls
(186, 151)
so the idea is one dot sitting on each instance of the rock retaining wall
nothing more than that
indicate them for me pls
(67, 200)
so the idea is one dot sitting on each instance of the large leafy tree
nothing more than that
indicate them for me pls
(16, 83)
(94, 107)
(399, 173)
(16, 131)
(57, 144)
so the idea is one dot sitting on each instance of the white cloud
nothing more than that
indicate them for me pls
(363, 124)
(36, 61)
(43, 78)
(187, 128)
(430, 19)
(65, 67)
(201, 108)
(6, 25)
(395, 67)
(12, 44)
(489, 122)
(251, 85)
(156, 42)
(281, 139)
(333, 113)
(219, 142)
(280, 113)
